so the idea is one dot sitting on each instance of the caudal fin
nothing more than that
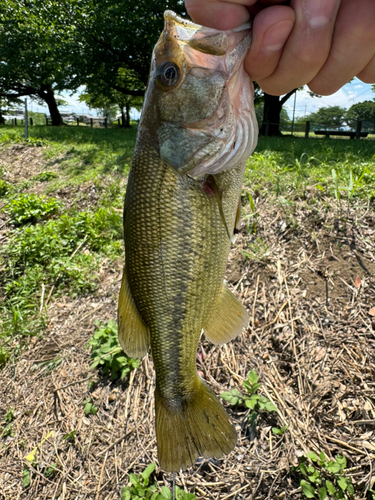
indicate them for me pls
(196, 427)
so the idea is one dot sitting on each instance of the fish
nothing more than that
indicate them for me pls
(182, 203)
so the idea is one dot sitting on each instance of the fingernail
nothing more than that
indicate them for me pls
(276, 35)
(318, 13)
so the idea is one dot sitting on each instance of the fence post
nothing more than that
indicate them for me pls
(358, 129)
(91, 122)
(307, 129)
(26, 121)
(77, 122)
(31, 121)
(15, 122)
(105, 122)
(118, 121)
(46, 120)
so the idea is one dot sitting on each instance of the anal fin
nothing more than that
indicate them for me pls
(227, 320)
(133, 333)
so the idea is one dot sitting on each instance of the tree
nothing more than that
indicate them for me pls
(116, 40)
(329, 116)
(284, 117)
(272, 111)
(364, 111)
(35, 51)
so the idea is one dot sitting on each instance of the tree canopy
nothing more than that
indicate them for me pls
(330, 116)
(364, 111)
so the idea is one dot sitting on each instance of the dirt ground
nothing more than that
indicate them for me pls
(307, 278)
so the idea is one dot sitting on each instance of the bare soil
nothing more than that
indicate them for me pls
(307, 278)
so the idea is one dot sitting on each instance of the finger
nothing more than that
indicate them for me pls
(226, 14)
(367, 75)
(218, 14)
(307, 47)
(271, 29)
(353, 47)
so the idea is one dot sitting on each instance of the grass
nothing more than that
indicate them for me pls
(288, 166)
(54, 247)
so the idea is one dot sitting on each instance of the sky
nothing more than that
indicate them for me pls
(348, 95)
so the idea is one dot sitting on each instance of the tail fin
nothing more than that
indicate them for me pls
(198, 426)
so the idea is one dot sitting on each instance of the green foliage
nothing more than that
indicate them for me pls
(5, 188)
(140, 487)
(252, 218)
(31, 208)
(251, 400)
(329, 116)
(323, 478)
(50, 471)
(58, 255)
(26, 479)
(107, 353)
(7, 430)
(90, 408)
(45, 176)
(286, 167)
(70, 437)
(364, 111)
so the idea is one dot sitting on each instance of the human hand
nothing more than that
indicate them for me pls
(321, 43)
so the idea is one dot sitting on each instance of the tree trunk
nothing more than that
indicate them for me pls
(125, 117)
(128, 116)
(271, 113)
(46, 93)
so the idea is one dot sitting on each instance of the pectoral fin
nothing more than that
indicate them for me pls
(133, 334)
(227, 320)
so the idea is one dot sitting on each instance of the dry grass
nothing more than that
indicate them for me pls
(308, 286)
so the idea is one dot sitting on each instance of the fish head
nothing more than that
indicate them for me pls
(201, 97)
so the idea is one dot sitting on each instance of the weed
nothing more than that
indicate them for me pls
(70, 437)
(90, 408)
(252, 218)
(8, 429)
(107, 353)
(257, 250)
(324, 478)
(50, 471)
(5, 188)
(251, 400)
(26, 479)
(141, 488)
(31, 208)
(45, 176)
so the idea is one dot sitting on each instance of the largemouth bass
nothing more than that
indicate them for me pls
(196, 132)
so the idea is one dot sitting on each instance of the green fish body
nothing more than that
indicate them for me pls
(180, 212)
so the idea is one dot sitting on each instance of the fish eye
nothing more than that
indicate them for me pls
(168, 75)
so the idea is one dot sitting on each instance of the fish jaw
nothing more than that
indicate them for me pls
(204, 121)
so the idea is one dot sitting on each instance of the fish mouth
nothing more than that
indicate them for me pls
(206, 117)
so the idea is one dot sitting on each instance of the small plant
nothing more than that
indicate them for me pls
(8, 429)
(251, 400)
(31, 208)
(141, 488)
(45, 176)
(5, 188)
(324, 478)
(26, 479)
(107, 353)
(70, 437)
(90, 408)
(253, 217)
(50, 471)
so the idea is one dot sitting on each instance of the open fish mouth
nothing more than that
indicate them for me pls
(204, 97)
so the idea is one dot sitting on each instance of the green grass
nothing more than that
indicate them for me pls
(54, 246)
(288, 166)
